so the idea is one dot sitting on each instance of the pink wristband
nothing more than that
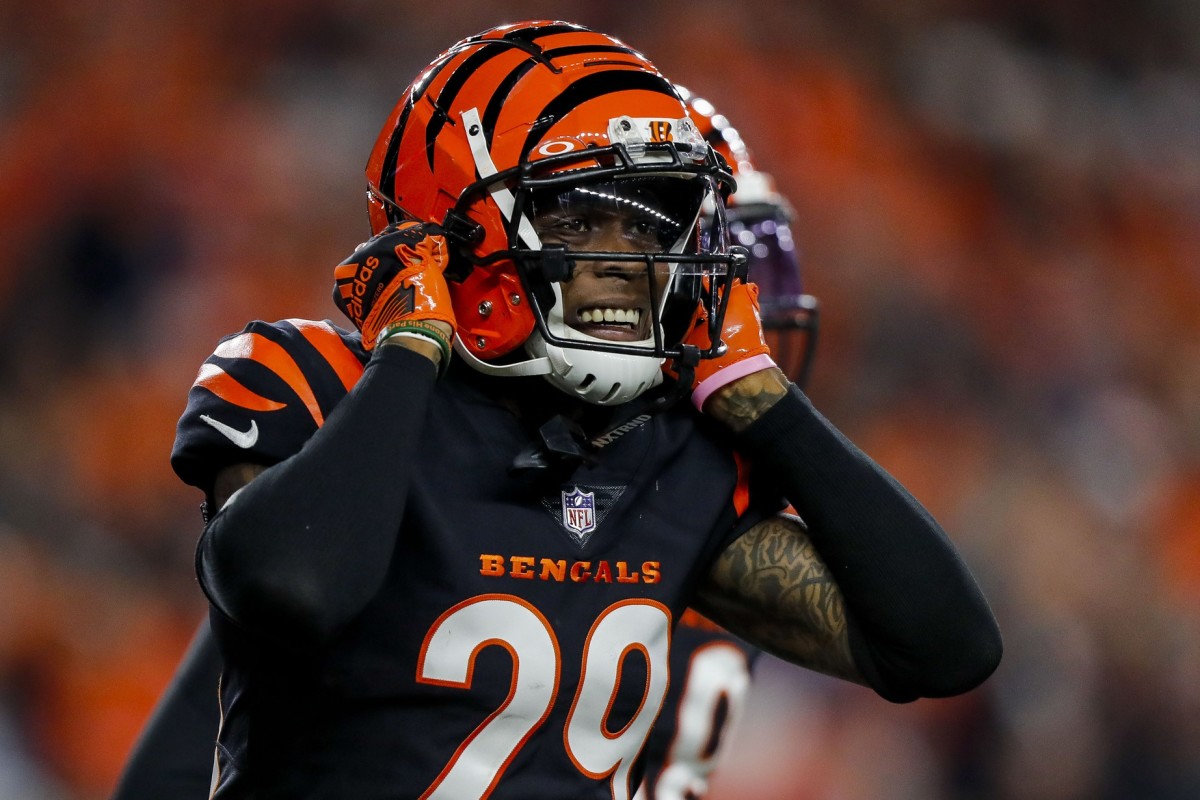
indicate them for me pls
(728, 375)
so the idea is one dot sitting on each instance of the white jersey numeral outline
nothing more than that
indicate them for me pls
(448, 659)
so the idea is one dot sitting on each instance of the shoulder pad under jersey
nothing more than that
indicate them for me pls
(262, 393)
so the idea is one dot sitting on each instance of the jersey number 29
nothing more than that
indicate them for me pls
(448, 659)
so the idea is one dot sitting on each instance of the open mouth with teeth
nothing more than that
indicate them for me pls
(612, 323)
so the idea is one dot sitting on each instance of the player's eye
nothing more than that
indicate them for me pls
(645, 227)
(561, 226)
(648, 233)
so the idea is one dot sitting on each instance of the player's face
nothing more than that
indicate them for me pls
(608, 299)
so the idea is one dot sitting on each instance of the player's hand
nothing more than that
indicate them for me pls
(392, 287)
(746, 352)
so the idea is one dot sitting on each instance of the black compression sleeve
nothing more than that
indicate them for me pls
(920, 626)
(173, 756)
(299, 551)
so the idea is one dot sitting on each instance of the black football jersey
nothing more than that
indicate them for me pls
(520, 645)
(710, 681)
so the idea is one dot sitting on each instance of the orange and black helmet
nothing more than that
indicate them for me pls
(537, 108)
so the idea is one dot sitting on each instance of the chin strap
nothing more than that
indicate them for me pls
(521, 369)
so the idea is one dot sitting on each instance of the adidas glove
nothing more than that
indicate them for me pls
(393, 285)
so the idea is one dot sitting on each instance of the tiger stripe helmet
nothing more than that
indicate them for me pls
(533, 107)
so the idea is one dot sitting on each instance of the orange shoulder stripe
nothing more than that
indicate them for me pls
(322, 336)
(266, 352)
(224, 386)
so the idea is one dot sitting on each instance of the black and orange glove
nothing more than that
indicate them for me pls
(393, 285)
(746, 348)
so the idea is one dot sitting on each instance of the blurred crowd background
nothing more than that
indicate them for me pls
(999, 208)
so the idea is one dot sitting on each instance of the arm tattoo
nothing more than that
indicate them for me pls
(772, 588)
(740, 403)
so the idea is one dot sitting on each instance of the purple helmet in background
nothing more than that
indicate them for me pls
(760, 220)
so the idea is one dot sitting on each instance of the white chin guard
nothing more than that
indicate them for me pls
(603, 379)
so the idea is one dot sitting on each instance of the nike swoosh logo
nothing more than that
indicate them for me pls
(243, 439)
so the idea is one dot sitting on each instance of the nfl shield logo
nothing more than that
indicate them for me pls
(579, 511)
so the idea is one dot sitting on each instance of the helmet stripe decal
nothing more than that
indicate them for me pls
(445, 98)
(590, 87)
(488, 49)
(531, 34)
(496, 104)
(559, 52)
(387, 178)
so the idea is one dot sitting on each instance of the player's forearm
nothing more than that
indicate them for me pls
(772, 589)
(740, 403)
(302, 549)
(920, 625)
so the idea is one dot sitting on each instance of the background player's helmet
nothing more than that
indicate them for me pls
(760, 219)
(536, 113)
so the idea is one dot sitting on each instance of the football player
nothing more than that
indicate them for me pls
(710, 668)
(446, 550)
